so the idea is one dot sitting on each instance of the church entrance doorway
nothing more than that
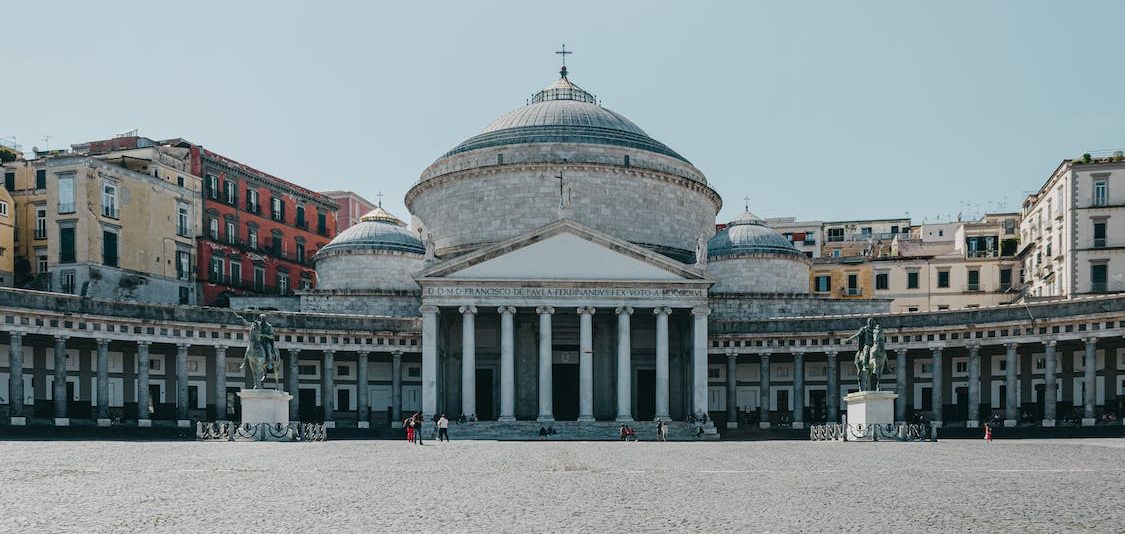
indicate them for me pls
(564, 382)
(961, 410)
(818, 405)
(1040, 398)
(307, 410)
(484, 395)
(646, 394)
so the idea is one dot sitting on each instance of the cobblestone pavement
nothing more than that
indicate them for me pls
(951, 486)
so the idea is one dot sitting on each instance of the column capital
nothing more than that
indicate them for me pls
(144, 344)
(396, 353)
(293, 352)
(1011, 345)
(1092, 340)
(16, 334)
(1052, 343)
(701, 311)
(102, 342)
(662, 310)
(467, 310)
(936, 349)
(586, 310)
(221, 348)
(61, 338)
(328, 351)
(506, 309)
(798, 355)
(832, 353)
(731, 354)
(626, 310)
(973, 348)
(183, 346)
(429, 309)
(362, 353)
(545, 310)
(765, 356)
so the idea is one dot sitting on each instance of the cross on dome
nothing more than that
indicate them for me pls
(564, 52)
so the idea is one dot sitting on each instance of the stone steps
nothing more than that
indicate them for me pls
(565, 431)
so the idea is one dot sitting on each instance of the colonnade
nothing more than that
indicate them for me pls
(545, 313)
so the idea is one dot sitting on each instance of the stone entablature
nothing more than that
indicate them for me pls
(609, 293)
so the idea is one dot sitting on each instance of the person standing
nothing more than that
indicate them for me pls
(418, 428)
(408, 424)
(987, 433)
(443, 429)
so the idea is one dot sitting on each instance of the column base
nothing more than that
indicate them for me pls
(972, 424)
(364, 424)
(103, 422)
(732, 424)
(62, 421)
(585, 419)
(798, 425)
(1048, 422)
(624, 419)
(330, 424)
(1009, 422)
(545, 419)
(18, 421)
(183, 423)
(144, 423)
(1089, 422)
(763, 425)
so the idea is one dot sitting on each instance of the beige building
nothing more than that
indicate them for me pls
(868, 237)
(7, 239)
(805, 235)
(1073, 230)
(26, 181)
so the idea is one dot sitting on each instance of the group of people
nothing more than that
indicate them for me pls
(414, 424)
(626, 433)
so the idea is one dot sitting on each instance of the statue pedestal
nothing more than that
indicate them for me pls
(268, 406)
(869, 408)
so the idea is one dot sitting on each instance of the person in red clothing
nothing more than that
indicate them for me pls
(987, 433)
(408, 424)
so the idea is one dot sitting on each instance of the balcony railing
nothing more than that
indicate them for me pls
(851, 291)
(269, 250)
(40, 233)
(983, 254)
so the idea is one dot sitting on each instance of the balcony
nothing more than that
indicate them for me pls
(851, 291)
(976, 254)
(809, 242)
(66, 207)
(111, 211)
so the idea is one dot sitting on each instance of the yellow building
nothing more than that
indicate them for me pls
(26, 181)
(842, 278)
(7, 239)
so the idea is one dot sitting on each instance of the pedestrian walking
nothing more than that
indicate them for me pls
(408, 424)
(443, 428)
(987, 433)
(418, 428)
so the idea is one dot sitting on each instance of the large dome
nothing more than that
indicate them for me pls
(564, 113)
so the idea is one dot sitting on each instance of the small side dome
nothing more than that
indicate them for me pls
(377, 230)
(748, 234)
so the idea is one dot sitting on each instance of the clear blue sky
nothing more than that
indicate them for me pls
(822, 110)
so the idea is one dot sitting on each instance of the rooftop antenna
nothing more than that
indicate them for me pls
(47, 143)
(563, 52)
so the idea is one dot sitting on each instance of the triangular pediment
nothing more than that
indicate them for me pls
(564, 250)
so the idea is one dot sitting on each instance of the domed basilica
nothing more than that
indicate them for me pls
(566, 266)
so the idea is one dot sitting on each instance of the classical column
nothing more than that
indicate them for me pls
(328, 388)
(937, 382)
(363, 411)
(292, 383)
(102, 378)
(429, 360)
(468, 360)
(143, 418)
(798, 390)
(662, 384)
(624, 364)
(546, 394)
(974, 387)
(60, 381)
(15, 378)
(181, 385)
(396, 388)
(221, 382)
(1011, 404)
(901, 403)
(833, 400)
(1089, 400)
(586, 363)
(1050, 384)
(732, 389)
(507, 363)
(764, 391)
(699, 359)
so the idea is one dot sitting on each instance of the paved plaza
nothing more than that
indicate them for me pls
(482, 486)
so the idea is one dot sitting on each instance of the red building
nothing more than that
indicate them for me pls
(352, 207)
(259, 231)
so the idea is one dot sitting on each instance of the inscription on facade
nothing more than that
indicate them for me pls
(562, 292)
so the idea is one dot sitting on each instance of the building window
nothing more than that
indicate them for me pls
(943, 279)
(1101, 192)
(275, 245)
(183, 265)
(823, 283)
(230, 192)
(1099, 234)
(882, 281)
(183, 221)
(41, 263)
(252, 201)
(40, 223)
(180, 181)
(232, 232)
(301, 217)
(1005, 279)
(912, 280)
(853, 286)
(40, 178)
(66, 244)
(259, 278)
(277, 209)
(306, 283)
(961, 367)
(1098, 278)
(301, 253)
(185, 293)
(215, 272)
(10, 181)
(3, 209)
(321, 224)
(213, 228)
(943, 307)
(109, 201)
(212, 186)
(67, 281)
(282, 283)
(252, 236)
(66, 194)
(343, 370)
(235, 272)
(835, 253)
(109, 248)
(974, 280)
(308, 370)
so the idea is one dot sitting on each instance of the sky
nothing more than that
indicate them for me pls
(819, 110)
